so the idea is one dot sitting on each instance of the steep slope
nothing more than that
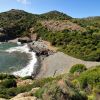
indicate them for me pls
(79, 84)
(77, 37)
(16, 23)
(14, 16)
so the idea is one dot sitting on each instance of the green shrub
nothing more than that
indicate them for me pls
(42, 82)
(92, 97)
(11, 92)
(90, 77)
(8, 83)
(75, 82)
(6, 76)
(7, 92)
(78, 68)
(39, 92)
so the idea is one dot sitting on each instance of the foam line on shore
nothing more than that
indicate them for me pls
(29, 69)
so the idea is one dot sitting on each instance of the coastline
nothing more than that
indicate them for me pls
(41, 52)
(52, 63)
(29, 68)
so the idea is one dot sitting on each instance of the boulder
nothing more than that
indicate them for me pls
(34, 90)
(1, 30)
(24, 96)
(24, 40)
(33, 37)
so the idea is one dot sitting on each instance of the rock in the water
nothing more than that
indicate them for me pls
(24, 40)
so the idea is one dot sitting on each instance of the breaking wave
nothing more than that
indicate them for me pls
(29, 69)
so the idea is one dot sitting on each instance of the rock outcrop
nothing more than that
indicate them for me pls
(40, 48)
(27, 39)
(24, 40)
(24, 96)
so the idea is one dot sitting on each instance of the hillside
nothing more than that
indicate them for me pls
(55, 15)
(76, 37)
(79, 84)
(60, 76)
(93, 22)
(16, 23)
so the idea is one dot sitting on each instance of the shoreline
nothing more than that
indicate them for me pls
(51, 64)
(29, 68)
(40, 53)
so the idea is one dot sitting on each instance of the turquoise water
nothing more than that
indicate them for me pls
(14, 61)
(5, 46)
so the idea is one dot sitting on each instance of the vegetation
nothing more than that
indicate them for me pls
(84, 45)
(56, 92)
(6, 76)
(78, 68)
(85, 86)
(17, 23)
(9, 89)
(55, 15)
(8, 83)
(83, 42)
(90, 78)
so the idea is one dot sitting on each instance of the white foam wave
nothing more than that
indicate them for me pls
(29, 69)
(19, 43)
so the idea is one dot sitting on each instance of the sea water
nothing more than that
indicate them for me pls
(17, 60)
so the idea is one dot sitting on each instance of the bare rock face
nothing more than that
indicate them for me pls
(24, 96)
(61, 25)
